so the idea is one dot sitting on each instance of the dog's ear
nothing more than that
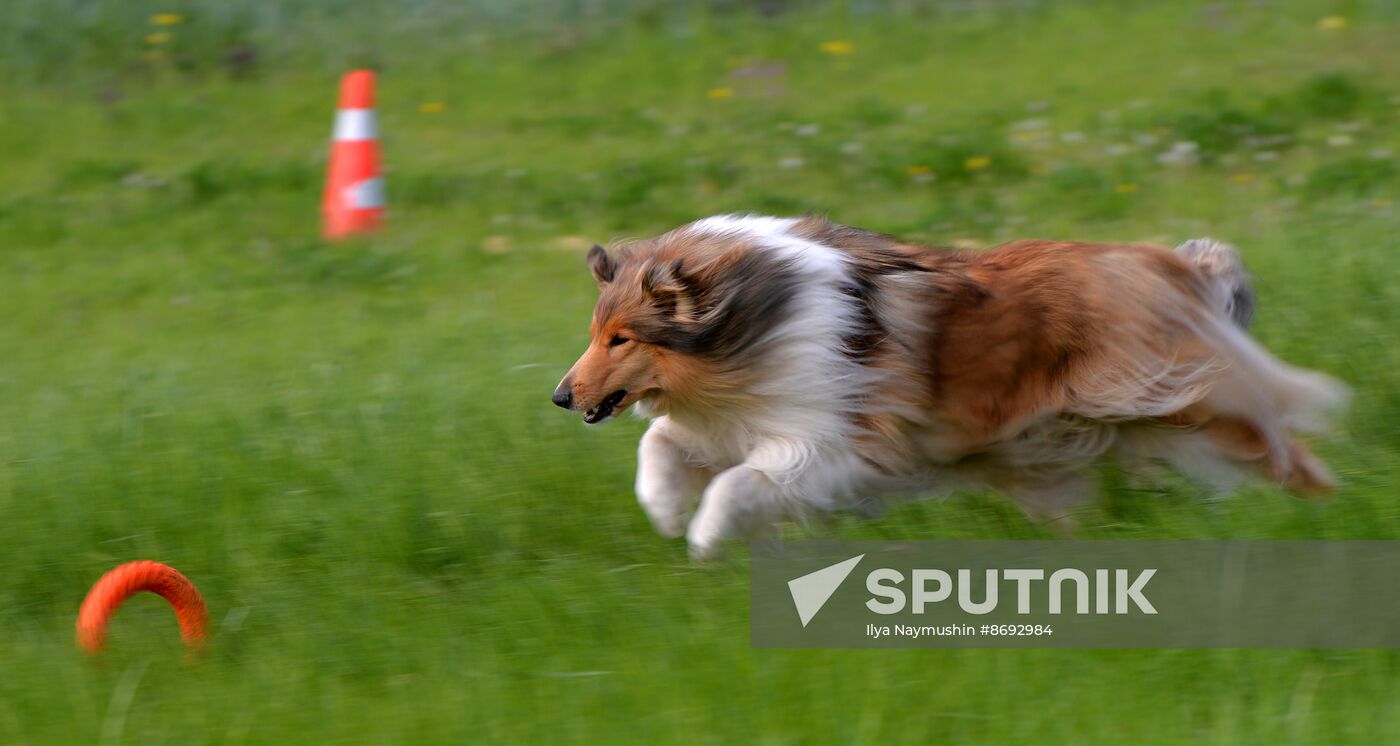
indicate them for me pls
(602, 265)
(670, 289)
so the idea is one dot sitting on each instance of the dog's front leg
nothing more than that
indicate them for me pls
(667, 484)
(737, 504)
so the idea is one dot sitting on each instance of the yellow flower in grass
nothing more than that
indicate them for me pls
(432, 107)
(720, 92)
(158, 38)
(167, 19)
(1332, 23)
(1381, 203)
(1039, 169)
(977, 162)
(837, 47)
(1125, 188)
(1242, 178)
(917, 170)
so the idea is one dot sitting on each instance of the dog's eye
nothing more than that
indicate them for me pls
(617, 340)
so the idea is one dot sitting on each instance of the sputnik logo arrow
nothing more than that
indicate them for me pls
(811, 591)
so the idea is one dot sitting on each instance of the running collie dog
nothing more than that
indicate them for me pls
(793, 366)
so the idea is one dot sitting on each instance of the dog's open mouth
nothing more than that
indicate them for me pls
(605, 408)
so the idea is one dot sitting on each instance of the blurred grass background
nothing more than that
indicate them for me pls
(350, 448)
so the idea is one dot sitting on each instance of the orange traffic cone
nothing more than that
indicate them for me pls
(354, 198)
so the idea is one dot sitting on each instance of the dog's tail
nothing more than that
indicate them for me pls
(1301, 400)
(1220, 263)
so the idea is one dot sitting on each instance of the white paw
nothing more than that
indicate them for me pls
(737, 503)
(705, 550)
(668, 514)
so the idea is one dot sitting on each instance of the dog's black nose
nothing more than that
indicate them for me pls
(563, 397)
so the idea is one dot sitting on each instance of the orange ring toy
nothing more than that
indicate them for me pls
(126, 580)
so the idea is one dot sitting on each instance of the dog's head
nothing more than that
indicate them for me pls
(630, 336)
(676, 318)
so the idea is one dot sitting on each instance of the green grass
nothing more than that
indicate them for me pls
(350, 447)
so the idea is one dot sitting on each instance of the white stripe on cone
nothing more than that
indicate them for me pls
(355, 124)
(363, 195)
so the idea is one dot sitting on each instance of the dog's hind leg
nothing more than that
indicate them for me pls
(1048, 499)
(1224, 450)
(1293, 467)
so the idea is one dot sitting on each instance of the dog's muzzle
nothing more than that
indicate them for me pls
(605, 408)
